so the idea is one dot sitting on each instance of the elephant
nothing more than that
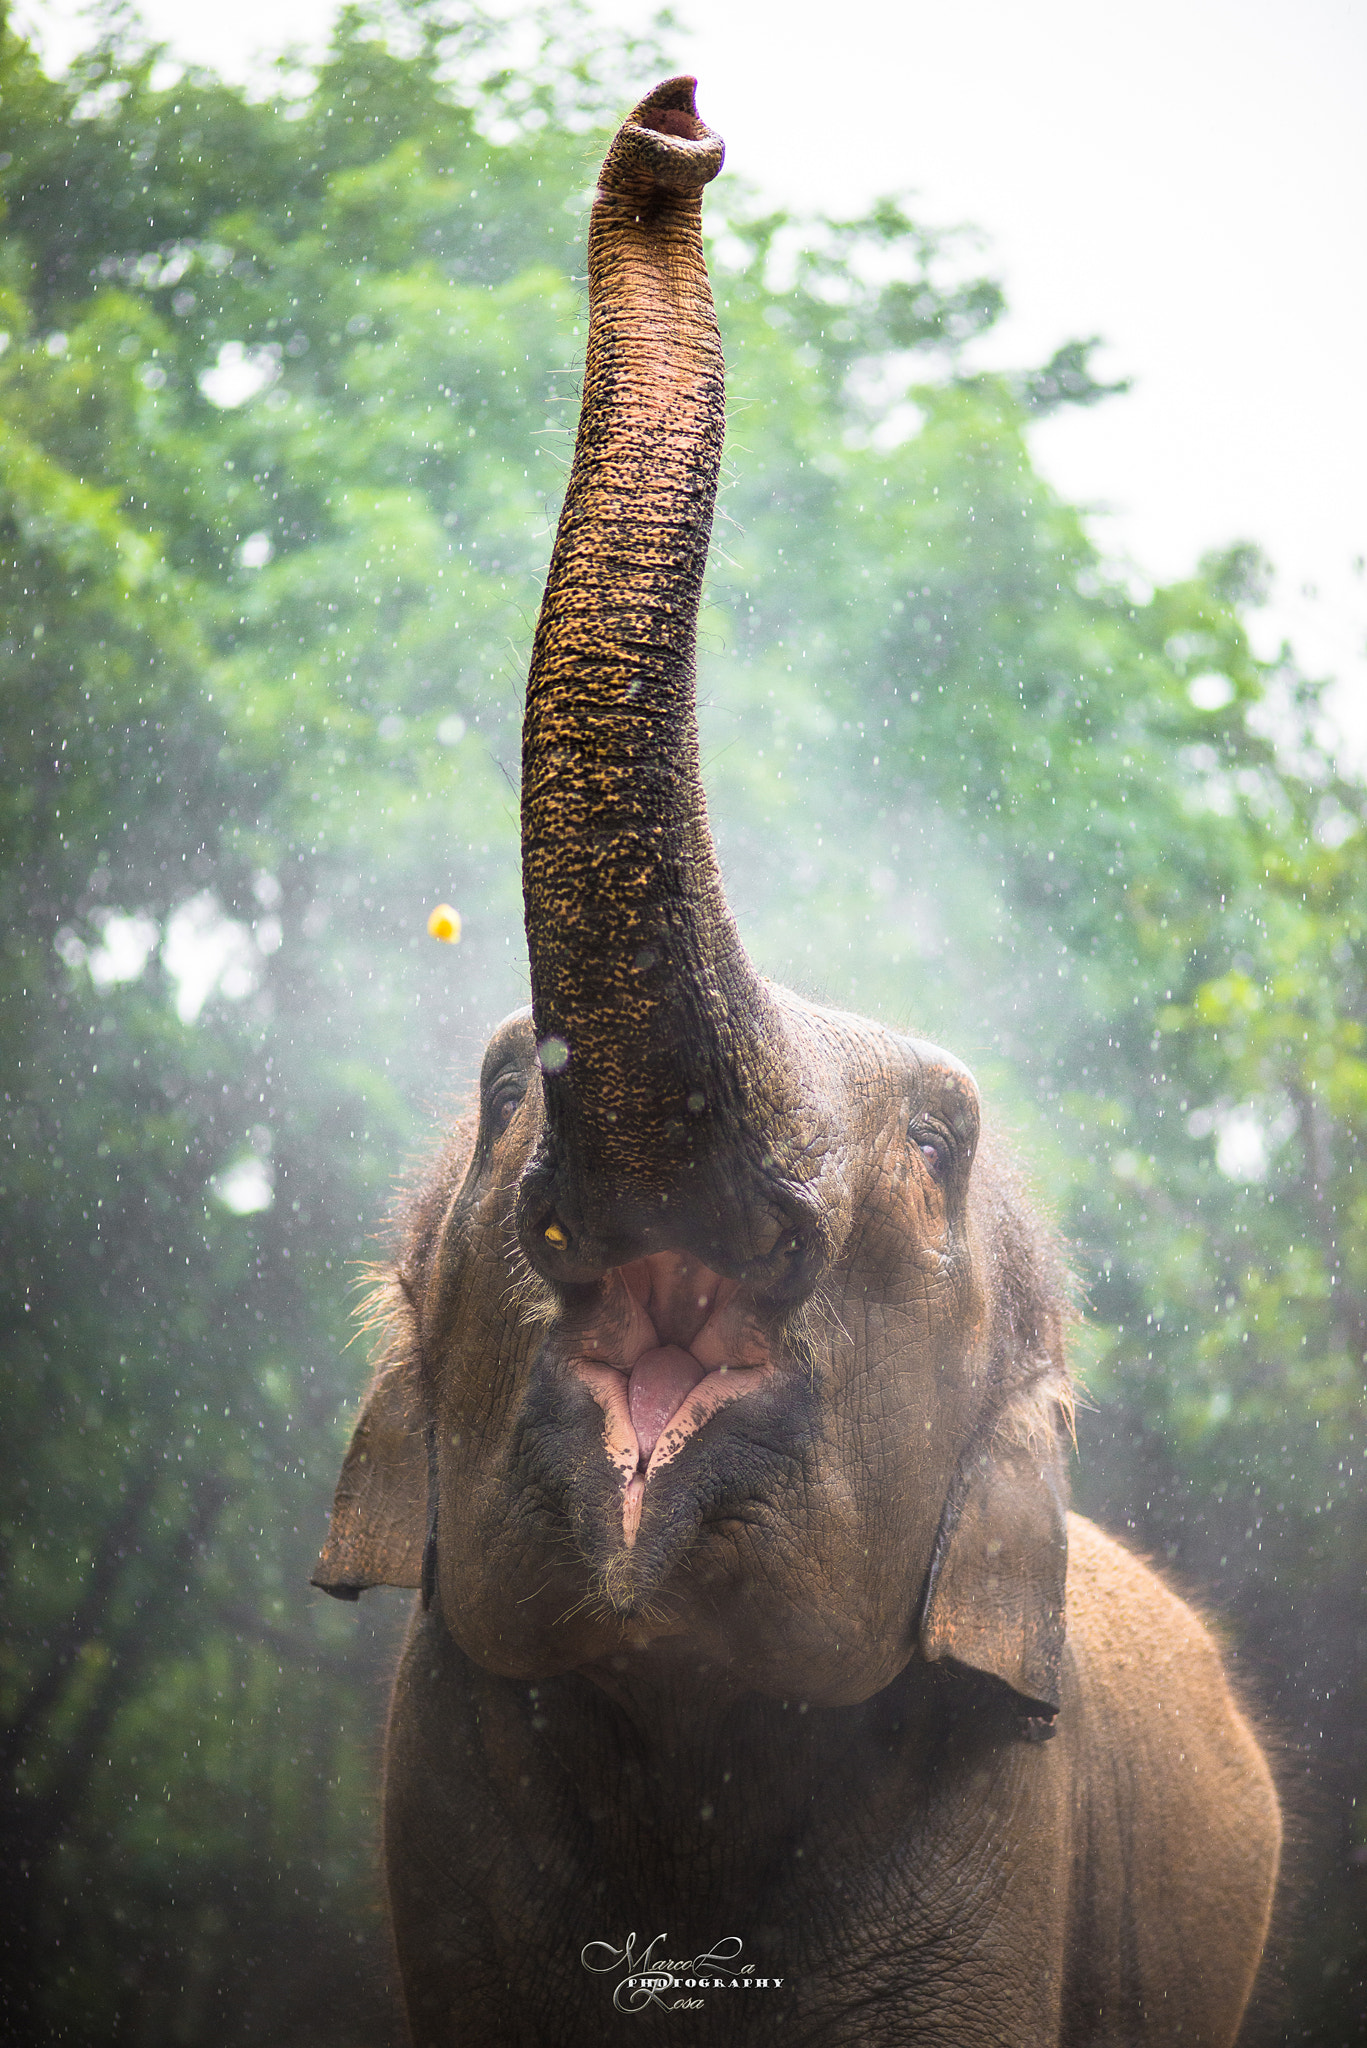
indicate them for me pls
(759, 1674)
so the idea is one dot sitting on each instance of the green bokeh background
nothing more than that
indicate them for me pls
(286, 402)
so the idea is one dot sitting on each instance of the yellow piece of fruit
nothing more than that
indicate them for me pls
(444, 924)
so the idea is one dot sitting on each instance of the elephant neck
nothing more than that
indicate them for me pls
(693, 1724)
(726, 1795)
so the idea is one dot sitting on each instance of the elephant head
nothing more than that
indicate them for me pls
(717, 1338)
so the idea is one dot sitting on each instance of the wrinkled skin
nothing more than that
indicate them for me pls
(723, 1419)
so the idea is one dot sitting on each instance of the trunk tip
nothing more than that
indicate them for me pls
(665, 140)
(671, 108)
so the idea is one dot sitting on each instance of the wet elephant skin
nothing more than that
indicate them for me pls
(722, 1418)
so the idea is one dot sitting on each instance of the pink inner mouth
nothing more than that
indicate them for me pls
(656, 1387)
(670, 1344)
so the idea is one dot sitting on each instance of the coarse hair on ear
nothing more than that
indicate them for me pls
(380, 1512)
(383, 1527)
(995, 1589)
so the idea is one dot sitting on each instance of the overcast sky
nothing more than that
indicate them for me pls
(1187, 178)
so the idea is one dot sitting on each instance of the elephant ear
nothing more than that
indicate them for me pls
(379, 1529)
(995, 1589)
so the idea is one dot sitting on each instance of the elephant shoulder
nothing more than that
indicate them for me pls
(1177, 1822)
(1126, 1617)
(1146, 1661)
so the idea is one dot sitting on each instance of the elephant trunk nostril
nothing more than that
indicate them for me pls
(674, 121)
(664, 143)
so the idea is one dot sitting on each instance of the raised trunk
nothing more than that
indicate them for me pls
(656, 1038)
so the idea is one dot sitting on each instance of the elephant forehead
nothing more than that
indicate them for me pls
(859, 1036)
(912, 1075)
(513, 1038)
(942, 1074)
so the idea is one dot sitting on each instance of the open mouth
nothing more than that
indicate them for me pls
(669, 1343)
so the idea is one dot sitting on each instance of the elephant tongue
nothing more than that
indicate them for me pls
(660, 1382)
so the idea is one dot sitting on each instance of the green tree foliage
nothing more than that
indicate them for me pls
(285, 407)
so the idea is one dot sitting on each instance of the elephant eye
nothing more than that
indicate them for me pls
(504, 1098)
(932, 1149)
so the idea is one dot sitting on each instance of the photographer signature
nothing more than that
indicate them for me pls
(645, 1978)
